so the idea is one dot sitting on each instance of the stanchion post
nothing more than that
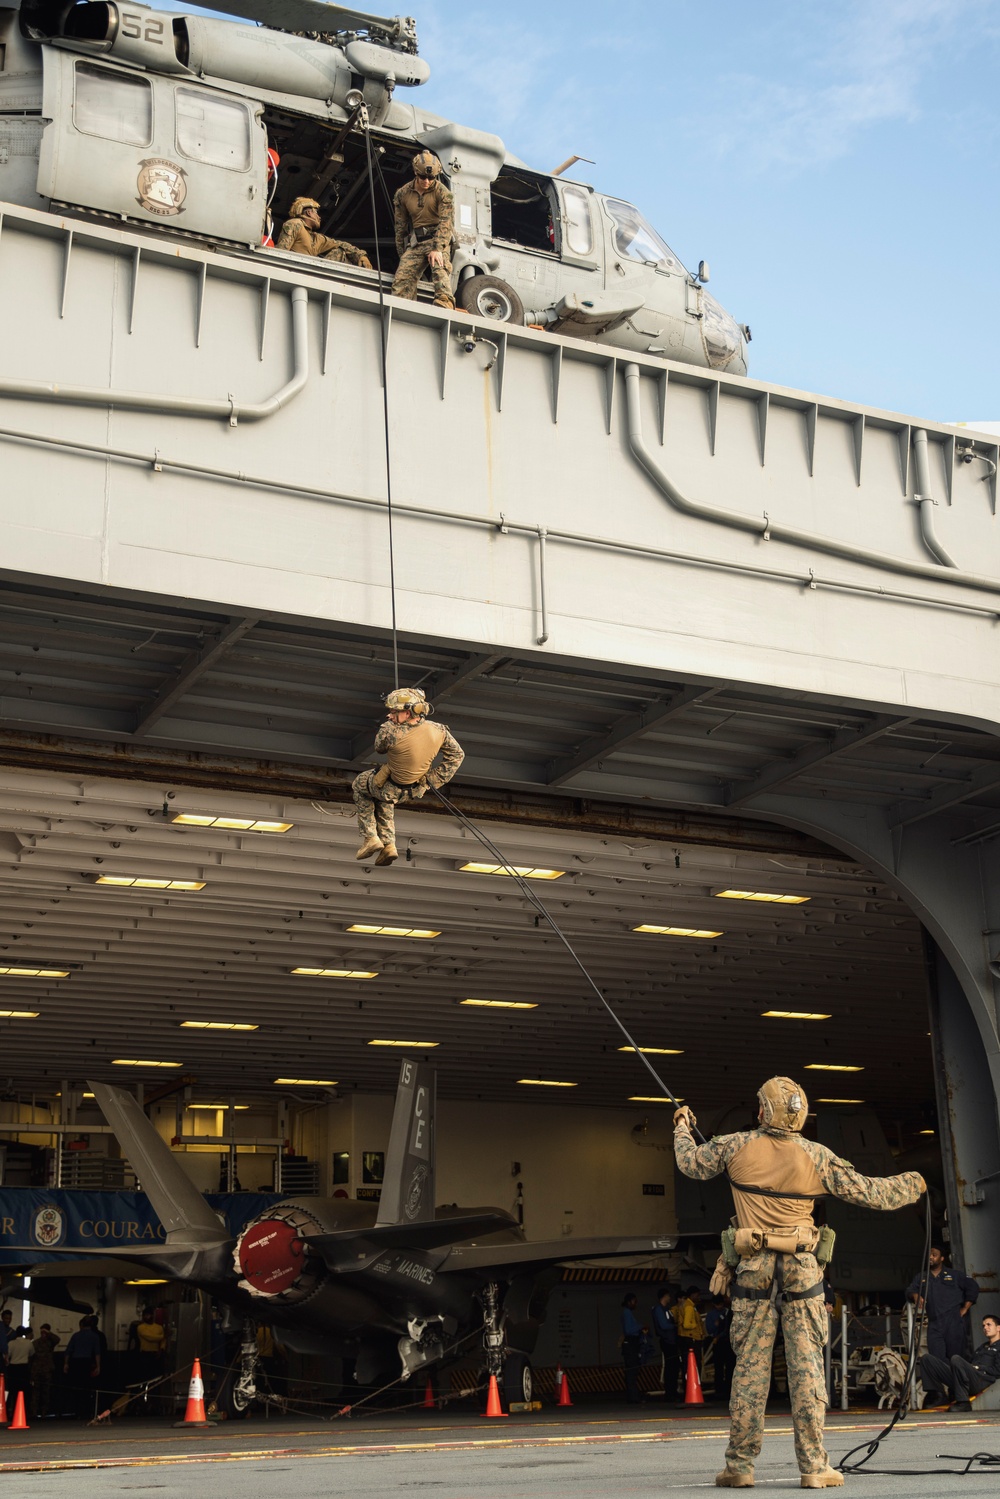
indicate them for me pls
(912, 1389)
(828, 1359)
(843, 1359)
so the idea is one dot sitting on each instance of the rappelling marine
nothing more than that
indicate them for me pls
(420, 757)
(424, 218)
(777, 1255)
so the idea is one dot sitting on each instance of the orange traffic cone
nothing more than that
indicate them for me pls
(562, 1386)
(493, 1399)
(19, 1422)
(195, 1413)
(3, 1401)
(692, 1394)
(430, 1404)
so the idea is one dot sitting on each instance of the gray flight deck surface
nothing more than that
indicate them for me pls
(590, 1452)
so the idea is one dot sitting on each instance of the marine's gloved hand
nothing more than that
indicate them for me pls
(419, 789)
(363, 261)
(722, 1278)
(684, 1116)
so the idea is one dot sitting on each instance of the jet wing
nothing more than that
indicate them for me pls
(345, 1251)
(100, 1267)
(554, 1252)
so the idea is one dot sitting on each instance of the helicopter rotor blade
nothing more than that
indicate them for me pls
(314, 15)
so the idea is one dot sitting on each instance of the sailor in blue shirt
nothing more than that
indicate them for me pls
(665, 1329)
(949, 1296)
(631, 1343)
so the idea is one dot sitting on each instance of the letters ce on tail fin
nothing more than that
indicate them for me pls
(408, 1185)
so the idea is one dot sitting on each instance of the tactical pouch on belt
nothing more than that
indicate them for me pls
(729, 1251)
(381, 776)
(824, 1249)
(802, 1239)
(425, 232)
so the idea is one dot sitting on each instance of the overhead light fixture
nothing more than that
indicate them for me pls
(19, 1014)
(425, 1045)
(240, 1108)
(831, 1067)
(392, 931)
(676, 931)
(35, 973)
(216, 1025)
(142, 882)
(792, 1015)
(544, 1082)
(526, 871)
(767, 896)
(232, 824)
(652, 1098)
(146, 1281)
(86, 1095)
(927, 1131)
(839, 1100)
(654, 1051)
(334, 973)
(142, 1062)
(501, 1004)
(305, 1082)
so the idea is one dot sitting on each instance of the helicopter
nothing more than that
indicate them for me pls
(190, 125)
(395, 1287)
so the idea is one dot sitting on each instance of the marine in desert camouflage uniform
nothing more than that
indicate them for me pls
(419, 756)
(300, 233)
(425, 224)
(786, 1286)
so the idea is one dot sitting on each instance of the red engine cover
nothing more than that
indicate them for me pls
(271, 1256)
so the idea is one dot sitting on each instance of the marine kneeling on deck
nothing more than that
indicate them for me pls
(411, 746)
(775, 1251)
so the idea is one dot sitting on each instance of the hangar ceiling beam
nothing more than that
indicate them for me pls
(189, 671)
(627, 729)
(986, 778)
(780, 771)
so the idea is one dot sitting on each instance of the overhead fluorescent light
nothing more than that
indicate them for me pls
(838, 1100)
(927, 1131)
(767, 896)
(654, 1051)
(216, 1025)
(142, 1062)
(526, 871)
(792, 1015)
(146, 1281)
(502, 1004)
(334, 973)
(651, 1098)
(232, 824)
(831, 1067)
(35, 973)
(676, 931)
(426, 1045)
(306, 1082)
(544, 1082)
(19, 1014)
(240, 1108)
(392, 931)
(143, 882)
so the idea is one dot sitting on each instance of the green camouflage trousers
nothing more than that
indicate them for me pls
(412, 263)
(376, 806)
(805, 1327)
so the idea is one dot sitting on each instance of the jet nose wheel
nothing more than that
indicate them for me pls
(490, 297)
(518, 1383)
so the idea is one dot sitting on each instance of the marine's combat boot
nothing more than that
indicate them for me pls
(388, 854)
(727, 1479)
(370, 846)
(828, 1479)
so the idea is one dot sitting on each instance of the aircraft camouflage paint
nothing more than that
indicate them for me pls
(111, 109)
(397, 1287)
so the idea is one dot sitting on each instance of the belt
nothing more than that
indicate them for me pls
(425, 232)
(743, 1293)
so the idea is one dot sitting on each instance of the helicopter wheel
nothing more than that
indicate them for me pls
(490, 297)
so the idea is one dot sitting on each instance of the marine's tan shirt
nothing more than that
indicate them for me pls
(416, 210)
(412, 749)
(782, 1159)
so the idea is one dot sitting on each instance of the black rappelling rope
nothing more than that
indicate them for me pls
(488, 843)
(383, 342)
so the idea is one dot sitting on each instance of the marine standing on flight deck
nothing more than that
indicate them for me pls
(775, 1175)
(411, 747)
(300, 233)
(425, 226)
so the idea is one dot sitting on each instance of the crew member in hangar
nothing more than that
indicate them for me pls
(300, 233)
(412, 747)
(425, 226)
(778, 1255)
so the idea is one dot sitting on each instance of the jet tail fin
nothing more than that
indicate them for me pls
(408, 1180)
(187, 1218)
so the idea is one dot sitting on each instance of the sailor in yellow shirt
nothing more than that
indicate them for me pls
(412, 748)
(690, 1329)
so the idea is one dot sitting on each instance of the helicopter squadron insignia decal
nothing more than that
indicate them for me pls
(161, 185)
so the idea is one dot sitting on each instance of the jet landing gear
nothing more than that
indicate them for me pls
(512, 1369)
(245, 1387)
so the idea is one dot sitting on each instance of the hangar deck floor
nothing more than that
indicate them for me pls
(590, 1453)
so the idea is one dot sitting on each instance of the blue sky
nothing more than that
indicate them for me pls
(835, 163)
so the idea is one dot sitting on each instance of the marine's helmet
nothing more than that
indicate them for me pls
(300, 205)
(411, 698)
(783, 1104)
(426, 164)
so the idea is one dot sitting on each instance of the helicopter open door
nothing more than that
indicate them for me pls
(158, 150)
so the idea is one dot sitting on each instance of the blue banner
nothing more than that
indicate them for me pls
(35, 1221)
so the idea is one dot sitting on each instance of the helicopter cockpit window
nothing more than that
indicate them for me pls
(579, 230)
(213, 130)
(116, 106)
(637, 240)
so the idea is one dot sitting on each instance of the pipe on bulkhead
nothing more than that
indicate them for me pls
(925, 501)
(769, 530)
(227, 410)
